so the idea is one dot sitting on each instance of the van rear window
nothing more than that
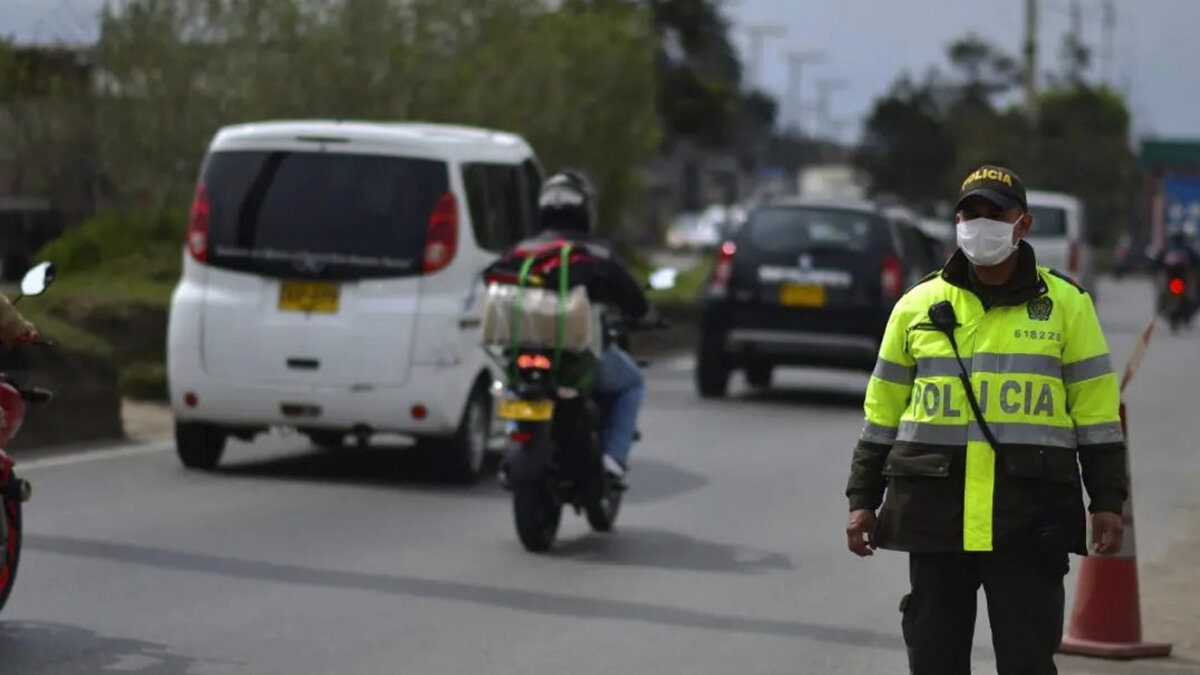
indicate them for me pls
(1049, 222)
(320, 214)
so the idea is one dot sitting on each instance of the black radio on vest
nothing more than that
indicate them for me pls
(943, 318)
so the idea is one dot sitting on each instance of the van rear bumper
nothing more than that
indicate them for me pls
(382, 410)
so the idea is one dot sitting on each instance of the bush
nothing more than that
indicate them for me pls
(120, 245)
(146, 381)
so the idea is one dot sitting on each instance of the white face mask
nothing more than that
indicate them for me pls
(987, 242)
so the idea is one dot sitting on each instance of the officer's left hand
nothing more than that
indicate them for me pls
(1108, 531)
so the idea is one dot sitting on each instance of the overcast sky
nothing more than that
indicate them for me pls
(867, 43)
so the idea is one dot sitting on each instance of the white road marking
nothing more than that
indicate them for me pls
(87, 456)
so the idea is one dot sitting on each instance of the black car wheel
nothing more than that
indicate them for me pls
(760, 375)
(712, 368)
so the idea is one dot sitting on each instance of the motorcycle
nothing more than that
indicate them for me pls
(1175, 296)
(15, 395)
(554, 457)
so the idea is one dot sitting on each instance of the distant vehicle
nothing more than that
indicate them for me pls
(1059, 236)
(805, 283)
(689, 233)
(832, 181)
(328, 285)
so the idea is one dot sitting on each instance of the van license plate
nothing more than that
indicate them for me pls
(802, 295)
(526, 411)
(309, 297)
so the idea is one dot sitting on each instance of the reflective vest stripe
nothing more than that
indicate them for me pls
(1013, 433)
(1017, 364)
(1087, 369)
(977, 497)
(1099, 434)
(941, 366)
(877, 433)
(986, 362)
(896, 373)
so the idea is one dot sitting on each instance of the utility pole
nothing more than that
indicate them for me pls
(825, 87)
(794, 102)
(758, 35)
(1108, 49)
(1031, 63)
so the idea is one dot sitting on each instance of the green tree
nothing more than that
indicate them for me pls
(577, 80)
(908, 149)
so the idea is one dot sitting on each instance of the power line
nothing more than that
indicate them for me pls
(758, 34)
(794, 103)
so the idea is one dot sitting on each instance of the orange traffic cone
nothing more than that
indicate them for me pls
(1107, 619)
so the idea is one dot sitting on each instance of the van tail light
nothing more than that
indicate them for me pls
(1073, 258)
(723, 270)
(441, 241)
(197, 232)
(891, 277)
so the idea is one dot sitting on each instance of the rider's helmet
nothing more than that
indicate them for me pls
(567, 203)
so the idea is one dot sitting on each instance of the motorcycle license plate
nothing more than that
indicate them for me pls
(309, 297)
(526, 411)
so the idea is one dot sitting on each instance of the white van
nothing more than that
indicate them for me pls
(331, 285)
(1059, 235)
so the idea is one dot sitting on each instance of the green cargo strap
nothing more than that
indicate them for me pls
(560, 330)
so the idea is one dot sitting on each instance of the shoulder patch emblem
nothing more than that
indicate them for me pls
(1040, 309)
(1069, 280)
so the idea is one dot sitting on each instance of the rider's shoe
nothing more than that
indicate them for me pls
(614, 467)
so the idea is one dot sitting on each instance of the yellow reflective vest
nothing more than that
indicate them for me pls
(1045, 384)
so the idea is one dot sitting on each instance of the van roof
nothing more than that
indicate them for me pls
(436, 140)
(1060, 199)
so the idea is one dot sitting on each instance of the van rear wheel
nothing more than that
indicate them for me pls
(327, 440)
(461, 457)
(199, 445)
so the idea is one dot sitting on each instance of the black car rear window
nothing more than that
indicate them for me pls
(321, 214)
(795, 229)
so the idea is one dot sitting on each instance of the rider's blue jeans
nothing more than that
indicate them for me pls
(620, 382)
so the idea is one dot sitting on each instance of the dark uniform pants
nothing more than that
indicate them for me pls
(1025, 605)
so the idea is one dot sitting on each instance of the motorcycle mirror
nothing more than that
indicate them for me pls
(663, 279)
(37, 279)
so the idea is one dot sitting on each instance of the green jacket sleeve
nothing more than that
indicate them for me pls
(887, 396)
(1094, 402)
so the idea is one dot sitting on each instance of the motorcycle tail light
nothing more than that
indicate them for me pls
(1176, 286)
(533, 361)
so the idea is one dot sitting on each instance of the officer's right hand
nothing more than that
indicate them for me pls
(860, 532)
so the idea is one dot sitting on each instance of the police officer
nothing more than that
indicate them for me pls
(982, 486)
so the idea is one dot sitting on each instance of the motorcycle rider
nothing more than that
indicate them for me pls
(1182, 240)
(14, 329)
(567, 213)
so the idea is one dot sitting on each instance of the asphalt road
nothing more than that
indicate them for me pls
(729, 556)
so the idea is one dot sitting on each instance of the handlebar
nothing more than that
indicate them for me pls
(37, 395)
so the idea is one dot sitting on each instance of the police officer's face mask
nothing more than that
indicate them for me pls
(987, 242)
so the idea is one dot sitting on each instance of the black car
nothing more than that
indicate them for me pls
(806, 283)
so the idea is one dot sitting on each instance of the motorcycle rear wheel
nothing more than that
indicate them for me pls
(537, 513)
(10, 539)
